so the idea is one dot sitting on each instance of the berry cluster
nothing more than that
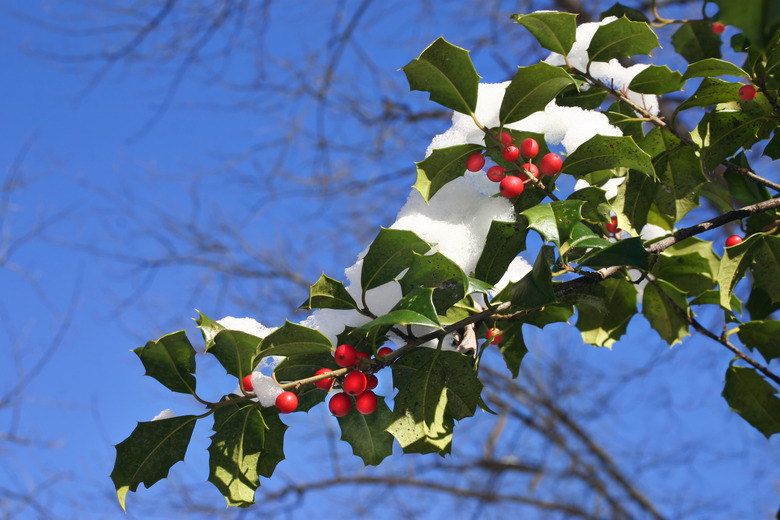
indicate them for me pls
(286, 402)
(513, 182)
(355, 385)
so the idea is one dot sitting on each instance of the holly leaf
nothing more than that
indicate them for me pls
(171, 361)
(554, 31)
(209, 328)
(722, 133)
(442, 166)
(535, 288)
(531, 89)
(634, 200)
(604, 313)
(690, 266)
(628, 252)
(712, 297)
(656, 80)
(446, 72)
(415, 308)
(696, 41)
(766, 266)
(710, 67)
(234, 452)
(753, 398)
(512, 347)
(148, 453)
(435, 388)
(662, 315)
(273, 444)
(711, 91)
(761, 335)
(439, 273)
(235, 351)
(549, 314)
(554, 220)
(621, 38)
(733, 265)
(619, 10)
(367, 433)
(758, 19)
(327, 293)
(291, 339)
(604, 152)
(595, 207)
(391, 252)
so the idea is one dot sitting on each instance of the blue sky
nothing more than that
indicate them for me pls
(102, 190)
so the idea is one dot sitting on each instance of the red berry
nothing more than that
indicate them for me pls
(496, 173)
(511, 153)
(355, 383)
(506, 138)
(747, 92)
(475, 162)
(364, 355)
(345, 355)
(511, 187)
(718, 28)
(340, 404)
(384, 351)
(495, 334)
(529, 148)
(551, 164)
(247, 382)
(531, 168)
(372, 382)
(612, 226)
(733, 240)
(366, 402)
(286, 402)
(326, 383)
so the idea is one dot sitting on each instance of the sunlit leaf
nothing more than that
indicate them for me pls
(171, 361)
(442, 166)
(391, 252)
(554, 31)
(327, 293)
(753, 398)
(531, 89)
(621, 38)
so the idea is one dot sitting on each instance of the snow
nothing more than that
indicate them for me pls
(165, 414)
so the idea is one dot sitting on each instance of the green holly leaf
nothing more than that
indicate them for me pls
(327, 293)
(619, 10)
(766, 266)
(604, 152)
(460, 311)
(656, 80)
(209, 328)
(733, 265)
(554, 220)
(753, 398)
(662, 315)
(583, 96)
(691, 266)
(531, 89)
(711, 91)
(535, 288)
(604, 312)
(291, 339)
(148, 453)
(549, 314)
(625, 252)
(442, 166)
(621, 38)
(367, 433)
(696, 41)
(622, 115)
(435, 388)
(584, 237)
(759, 305)
(762, 336)
(772, 149)
(720, 134)
(446, 72)
(171, 361)
(712, 297)
(634, 200)
(439, 273)
(554, 31)
(234, 452)
(301, 366)
(512, 347)
(743, 189)
(595, 208)
(710, 67)
(363, 340)
(235, 351)
(758, 19)
(415, 308)
(391, 252)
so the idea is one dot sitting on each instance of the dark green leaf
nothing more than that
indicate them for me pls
(235, 351)
(291, 339)
(711, 91)
(622, 115)
(596, 208)
(656, 80)
(772, 149)
(301, 366)
(531, 89)
(446, 72)
(171, 361)
(391, 252)
(733, 265)
(766, 266)
(535, 288)
(512, 347)
(758, 19)
(273, 445)
(554, 31)
(415, 308)
(721, 134)
(234, 452)
(662, 315)
(743, 189)
(442, 166)
(621, 38)
(696, 41)
(627, 252)
(149, 452)
(619, 10)
(763, 336)
(753, 398)
(634, 200)
(604, 319)
(759, 304)
(707, 68)
(328, 293)
(584, 237)
(549, 314)
(209, 328)
(439, 273)
(690, 266)
(367, 433)
(586, 97)
(554, 220)
(603, 152)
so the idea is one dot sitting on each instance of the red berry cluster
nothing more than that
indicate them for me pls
(355, 384)
(513, 182)
(286, 402)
